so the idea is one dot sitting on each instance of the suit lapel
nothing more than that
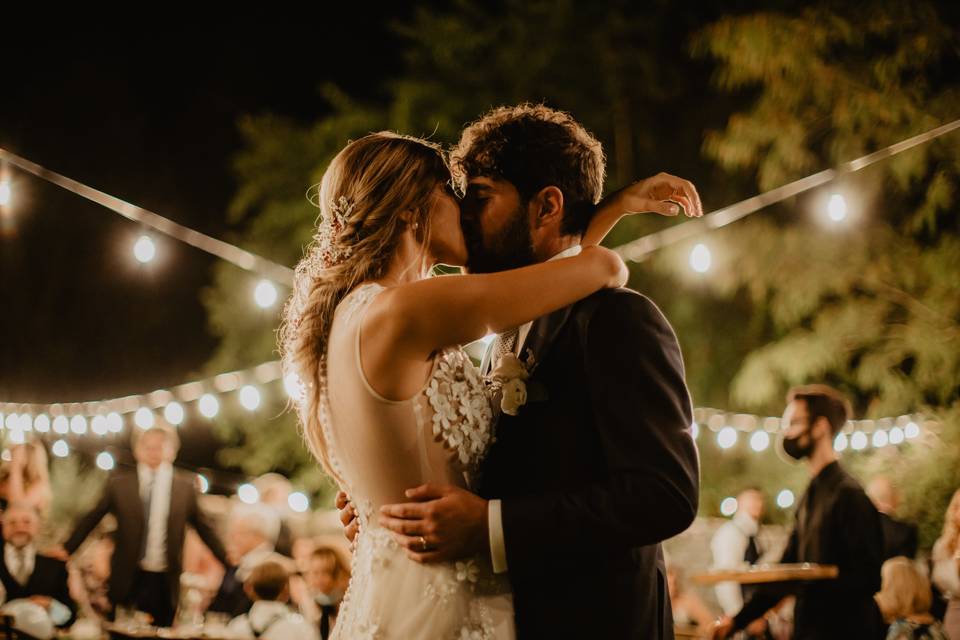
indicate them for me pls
(542, 335)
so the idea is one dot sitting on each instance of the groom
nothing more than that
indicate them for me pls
(599, 466)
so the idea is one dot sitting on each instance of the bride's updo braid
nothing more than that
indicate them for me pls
(371, 192)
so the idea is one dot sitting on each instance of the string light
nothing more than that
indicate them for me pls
(728, 506)
(209, 405)
(248, 493)
(105, 461)
(727, 437)
(785, 499)
(143, 418)
(25, 422)
(114, 422)
(298, 501)
(12, 421)
(6, 193)
(204, 483)
(837, 207)
(41, 424)
(78, 424)
(695, 430)
(759, 441)
(700, 258)
(60, 449)
(249, 397)
(265, 294)
(911, 430)
(896, 435)
(173, 413)
(858, 441)
(61, 425)
(144, 250)
(840, 442)
(880, 438)
(17, 437)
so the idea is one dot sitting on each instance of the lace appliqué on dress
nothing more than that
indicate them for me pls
(462, 416)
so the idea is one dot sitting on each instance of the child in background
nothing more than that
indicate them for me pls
(270, 618)
(904, 602)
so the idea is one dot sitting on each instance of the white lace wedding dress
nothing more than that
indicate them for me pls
(379, 448)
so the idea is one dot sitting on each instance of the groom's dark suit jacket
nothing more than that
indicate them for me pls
(597, 469)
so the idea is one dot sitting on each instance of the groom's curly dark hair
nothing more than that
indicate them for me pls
(533, 146)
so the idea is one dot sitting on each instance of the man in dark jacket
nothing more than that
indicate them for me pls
(153, 505)
(27, 574)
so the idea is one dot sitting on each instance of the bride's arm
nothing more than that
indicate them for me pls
(424, 316)
(657, 194)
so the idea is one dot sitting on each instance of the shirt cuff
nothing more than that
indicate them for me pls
(59, 613)
(498, 550)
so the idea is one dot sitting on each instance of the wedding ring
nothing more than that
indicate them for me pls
(423, 543)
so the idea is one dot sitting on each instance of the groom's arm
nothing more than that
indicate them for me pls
(642, 413)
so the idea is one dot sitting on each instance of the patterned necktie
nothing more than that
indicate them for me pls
(21, 574)
(506, 343)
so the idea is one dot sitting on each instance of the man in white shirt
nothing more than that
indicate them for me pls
(734, 545)
(153, 506)
(270, 618)
(25, 574)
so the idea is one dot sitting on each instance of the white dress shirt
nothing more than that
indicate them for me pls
(272, 621)
(59, 612)
(729, 546)
(498, 548)
(160, 481)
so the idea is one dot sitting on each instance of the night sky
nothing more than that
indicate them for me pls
(146, 113)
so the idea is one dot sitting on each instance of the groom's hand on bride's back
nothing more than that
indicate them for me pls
(442, 523)
(348, 516)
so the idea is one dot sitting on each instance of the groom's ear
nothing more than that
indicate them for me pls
(547, 206)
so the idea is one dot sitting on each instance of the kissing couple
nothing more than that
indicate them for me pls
(527, 497)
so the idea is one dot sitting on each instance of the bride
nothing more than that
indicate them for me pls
(390, 401)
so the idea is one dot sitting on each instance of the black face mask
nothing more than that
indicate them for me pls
(797, 451)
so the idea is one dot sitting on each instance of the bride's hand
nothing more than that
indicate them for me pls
(660, 194)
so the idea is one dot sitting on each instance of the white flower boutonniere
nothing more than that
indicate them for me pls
(509, 377)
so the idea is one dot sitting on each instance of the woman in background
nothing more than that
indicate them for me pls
(946, 566)
(904, 602)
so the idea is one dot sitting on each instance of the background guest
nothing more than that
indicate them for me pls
(251, 535)
(26, 479)
(946, 566)
(326, 579)
(27, 575)
(735, 544)
(899, 538)
(904, 602)
(153, 505)
(270, 618)
(274, 491)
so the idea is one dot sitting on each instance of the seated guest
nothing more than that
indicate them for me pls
(28, 575)
(735, 545)
(274, 491)
(251, 535)
(899, 538)
(327, 579)
(270, 618)
(904, 602)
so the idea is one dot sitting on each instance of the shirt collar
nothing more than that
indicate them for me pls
(569, 252)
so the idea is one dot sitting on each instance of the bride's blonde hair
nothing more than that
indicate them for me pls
(388, 181)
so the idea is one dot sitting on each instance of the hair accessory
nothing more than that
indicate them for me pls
(332, 250)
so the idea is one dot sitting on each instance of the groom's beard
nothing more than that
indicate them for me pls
(512, 248)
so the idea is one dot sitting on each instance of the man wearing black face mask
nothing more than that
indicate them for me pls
(836, 523)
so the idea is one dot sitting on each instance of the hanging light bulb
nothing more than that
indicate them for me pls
(265, 294)
(837, 207)
(759, 441)
(840, 442)
(143, 418)
(728, 506)
(727, 437)
(209, 405)
(6, 193)
(61, 425)
(99, 425)
(204, 483)
(700, 258)
(298, 501)
(60, 449)
(41, 423)
(114, 422)
(144, 250)
(105, 461)
(173, 413)
(78, 424)
(785, 499)
(249, 397)
(248, 493)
